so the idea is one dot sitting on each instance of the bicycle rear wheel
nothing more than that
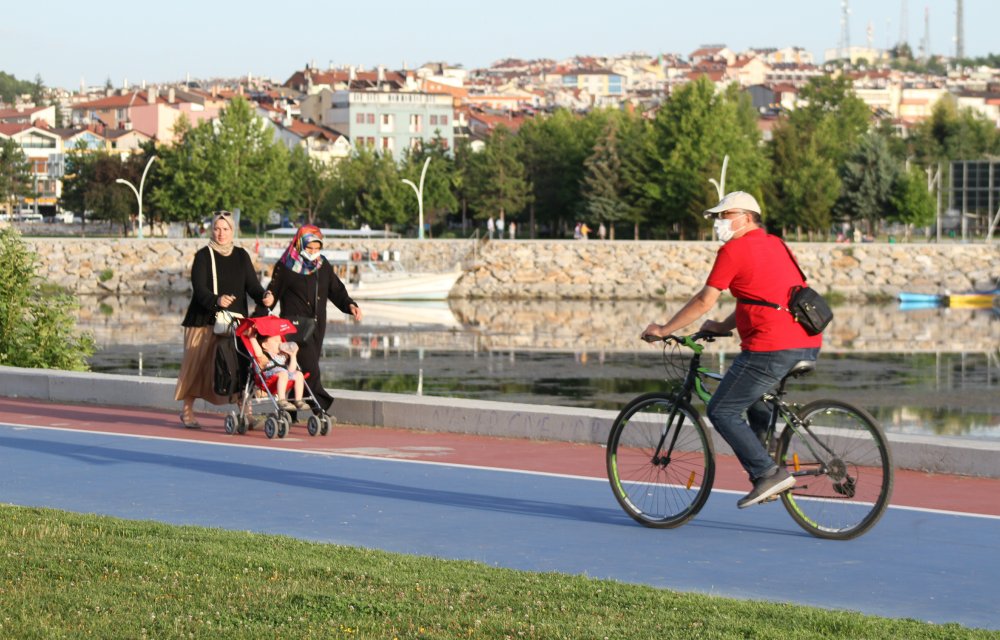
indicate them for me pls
(842, 467)
(661, 463)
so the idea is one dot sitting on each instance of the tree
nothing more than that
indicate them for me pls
(804, 184)
(235, 163)
(36, 330)
(693, 132)
(311, 184)
(90, 185)
(910, 201)
(867, 180)
(603, 186)
(953, 134)
(496, 180)
(15, 173)
(552, 151)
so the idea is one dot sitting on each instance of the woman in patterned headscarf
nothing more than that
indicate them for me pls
(301, 283)
(222, 277)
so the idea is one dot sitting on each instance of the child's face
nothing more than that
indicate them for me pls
(271, 343)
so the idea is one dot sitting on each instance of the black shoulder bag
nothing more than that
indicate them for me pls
(806, 305)
(305, 325)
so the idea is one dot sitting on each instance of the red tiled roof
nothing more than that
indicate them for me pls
(136, 99)
(12, 128)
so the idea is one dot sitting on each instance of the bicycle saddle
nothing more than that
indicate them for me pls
(801, 368)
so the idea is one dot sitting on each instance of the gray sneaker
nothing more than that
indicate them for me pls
(764, 488)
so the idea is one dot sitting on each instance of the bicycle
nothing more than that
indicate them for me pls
(661, 458)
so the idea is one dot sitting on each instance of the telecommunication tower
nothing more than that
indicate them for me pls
(845, 31)
(925, 43)
(959, 32)
(904, 36)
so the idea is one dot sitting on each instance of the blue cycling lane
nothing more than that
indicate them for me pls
(921, 564)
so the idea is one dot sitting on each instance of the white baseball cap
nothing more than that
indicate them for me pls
(735, 200)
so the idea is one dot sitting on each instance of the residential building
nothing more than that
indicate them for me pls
(43, 149)
(384, 120)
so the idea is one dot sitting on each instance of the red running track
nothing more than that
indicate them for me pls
(912, 488)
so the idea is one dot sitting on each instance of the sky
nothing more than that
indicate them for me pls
(161, 42)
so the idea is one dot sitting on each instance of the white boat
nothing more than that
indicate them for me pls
(378, 276)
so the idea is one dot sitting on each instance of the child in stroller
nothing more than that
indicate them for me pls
(273, 370)
(277, 360)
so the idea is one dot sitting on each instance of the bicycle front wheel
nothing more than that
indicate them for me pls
(661, 463)
(843, 470)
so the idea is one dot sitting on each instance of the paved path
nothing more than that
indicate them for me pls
(527, 505)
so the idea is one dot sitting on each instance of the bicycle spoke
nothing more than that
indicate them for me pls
(660, 487)
(843, 467)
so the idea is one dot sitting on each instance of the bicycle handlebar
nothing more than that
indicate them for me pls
(698, 336)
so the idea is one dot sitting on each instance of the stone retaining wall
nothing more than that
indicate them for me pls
(545, 269)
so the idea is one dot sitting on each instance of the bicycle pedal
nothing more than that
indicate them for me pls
(771, 498)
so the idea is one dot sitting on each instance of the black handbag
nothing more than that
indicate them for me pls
(305, 325)
(304, 328)
(806, 305)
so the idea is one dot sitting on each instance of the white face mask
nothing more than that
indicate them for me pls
(310, 257)
(723, 229)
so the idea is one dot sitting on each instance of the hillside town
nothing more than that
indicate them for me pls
(330, 111)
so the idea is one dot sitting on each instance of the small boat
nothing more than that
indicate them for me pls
(921, 298)
(971, 300)
(375, 276)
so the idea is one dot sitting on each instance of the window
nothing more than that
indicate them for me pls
(416, 123)
(371, 118)
(444, 120)
(359, 119)
(434, 120)
(387, 144)
(370, 141)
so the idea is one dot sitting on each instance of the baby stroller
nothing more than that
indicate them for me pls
(260, 394)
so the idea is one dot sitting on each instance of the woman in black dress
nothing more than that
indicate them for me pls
(222, 277)
(302, 282)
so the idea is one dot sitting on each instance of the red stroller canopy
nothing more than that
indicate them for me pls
(267, 326)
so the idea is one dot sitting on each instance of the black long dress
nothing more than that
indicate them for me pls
(306, 295)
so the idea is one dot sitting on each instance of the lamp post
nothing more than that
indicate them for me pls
(138, 192)
(420, 198)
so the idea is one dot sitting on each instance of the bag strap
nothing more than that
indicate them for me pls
(215, 277)
(764, 303)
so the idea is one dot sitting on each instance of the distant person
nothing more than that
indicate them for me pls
(491, 227)
(753, 265)
(584, 231)
(602, 231)
(302, 282)
(222, 276)
(500, 228)
(578, 231)
(512, 229)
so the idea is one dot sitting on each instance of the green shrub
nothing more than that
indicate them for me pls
(106, 275)
(37, 329)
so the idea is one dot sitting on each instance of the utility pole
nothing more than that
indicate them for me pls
(845, 32)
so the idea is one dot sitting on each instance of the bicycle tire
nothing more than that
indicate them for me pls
(848, 499)
(662, 494)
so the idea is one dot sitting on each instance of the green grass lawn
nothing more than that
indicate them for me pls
(65, 575)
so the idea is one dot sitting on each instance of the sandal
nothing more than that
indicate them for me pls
(286, 405)
(189, 423)
(301, 405)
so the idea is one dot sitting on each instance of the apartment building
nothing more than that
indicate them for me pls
(384, 120)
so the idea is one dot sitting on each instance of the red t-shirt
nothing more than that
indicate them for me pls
(757, 266)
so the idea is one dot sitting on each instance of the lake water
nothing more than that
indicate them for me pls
(928, 371)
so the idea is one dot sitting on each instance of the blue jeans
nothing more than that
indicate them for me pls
(753, 373)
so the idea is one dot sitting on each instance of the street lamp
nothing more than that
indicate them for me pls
(138, 192)
(420, 198)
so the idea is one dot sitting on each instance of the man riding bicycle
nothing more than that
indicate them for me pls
(757, 266)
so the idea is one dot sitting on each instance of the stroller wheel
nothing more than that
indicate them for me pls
(241, 426)
(283, 426)
(232, 422)
(286, 417)
(271, 426)
(313, 425)
(326, 422)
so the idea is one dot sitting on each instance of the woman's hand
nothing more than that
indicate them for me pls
(268, 299)
(356, 312)
(225, 300)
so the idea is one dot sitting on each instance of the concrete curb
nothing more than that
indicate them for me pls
(457, 415)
